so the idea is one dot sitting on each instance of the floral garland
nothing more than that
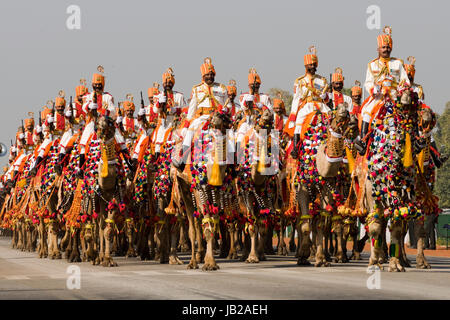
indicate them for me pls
(163, 184)
(140, 189)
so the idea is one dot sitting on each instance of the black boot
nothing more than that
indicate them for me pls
(294, 152)
(361, 145)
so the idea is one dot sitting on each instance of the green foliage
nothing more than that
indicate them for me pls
(286, 96)
(442, 137)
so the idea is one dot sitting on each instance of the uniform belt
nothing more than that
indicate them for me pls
(204, 110)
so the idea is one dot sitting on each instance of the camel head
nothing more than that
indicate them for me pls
(405, 98)
(340, 118)
(220, 121)
(351, 132)
(427, 120)
(106, 128)
(265, 120)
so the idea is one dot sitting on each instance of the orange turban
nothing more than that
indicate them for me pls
(81, 90)
(385, 39)
(207, 67)
(253, 77)
(128, 104)
(45, 113)
(277, 102)
(356, 89)
(60, 101)
(311, 57)
(30, 121)
(231, 88)
(153, 91)
(337, 75)
(99, 77)
(168, 76)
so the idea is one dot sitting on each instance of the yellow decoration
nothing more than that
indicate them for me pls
(351, 160)
(407, 158)
(104, 172)
(421, 159)
(216, 178)
(262, 160)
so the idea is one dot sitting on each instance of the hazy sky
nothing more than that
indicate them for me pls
(137, 40)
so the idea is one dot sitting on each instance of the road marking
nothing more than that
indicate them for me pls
(17, 277)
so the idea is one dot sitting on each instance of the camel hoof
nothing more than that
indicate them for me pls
(282, 251)
(421, 263)
(232, 256)
(252, 259)
(210, 267)
(395, 265)
(322, 263)
(109, 262)
(303, 262)
(192, 265)
(175, 260)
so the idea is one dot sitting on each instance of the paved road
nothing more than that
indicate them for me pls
(24, 276)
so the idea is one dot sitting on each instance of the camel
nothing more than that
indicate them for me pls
(258, 184)
(313, 185)
(371, 185)
(205, 196)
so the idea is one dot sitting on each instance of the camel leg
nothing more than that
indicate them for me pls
(192, 235)
(43, 249)
(225, 241)
(210, 262)
(75, 252)
(20, 236)
(107, 260)
(376, 247)
(253, 231)
(247, 246)
(14, 239)
(282, 248)
(68, 244)
(340, 256)
(34, 239)
(173, 257)
(65, 241)
(232, 254)
(292, 246)
(304, 242)
(184, 237)
(395, 248)
(384, 243)
(129, 234)
(261, 243)
(421, 261)
(321, 260)
(162, 232)
(200, 254)
(268, 240)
